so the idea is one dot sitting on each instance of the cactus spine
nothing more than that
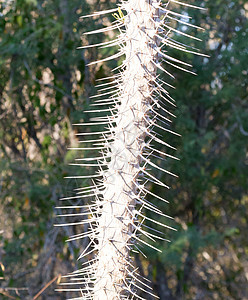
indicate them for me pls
(137, 108)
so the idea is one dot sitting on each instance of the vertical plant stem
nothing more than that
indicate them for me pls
(117, 219)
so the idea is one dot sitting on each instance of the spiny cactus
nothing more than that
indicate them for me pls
(138, 102)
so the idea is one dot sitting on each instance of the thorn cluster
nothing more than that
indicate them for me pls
(133, 104)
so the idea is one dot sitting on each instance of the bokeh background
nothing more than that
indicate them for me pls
(45, 85)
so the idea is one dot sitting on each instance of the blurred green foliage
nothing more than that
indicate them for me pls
(44, 87)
